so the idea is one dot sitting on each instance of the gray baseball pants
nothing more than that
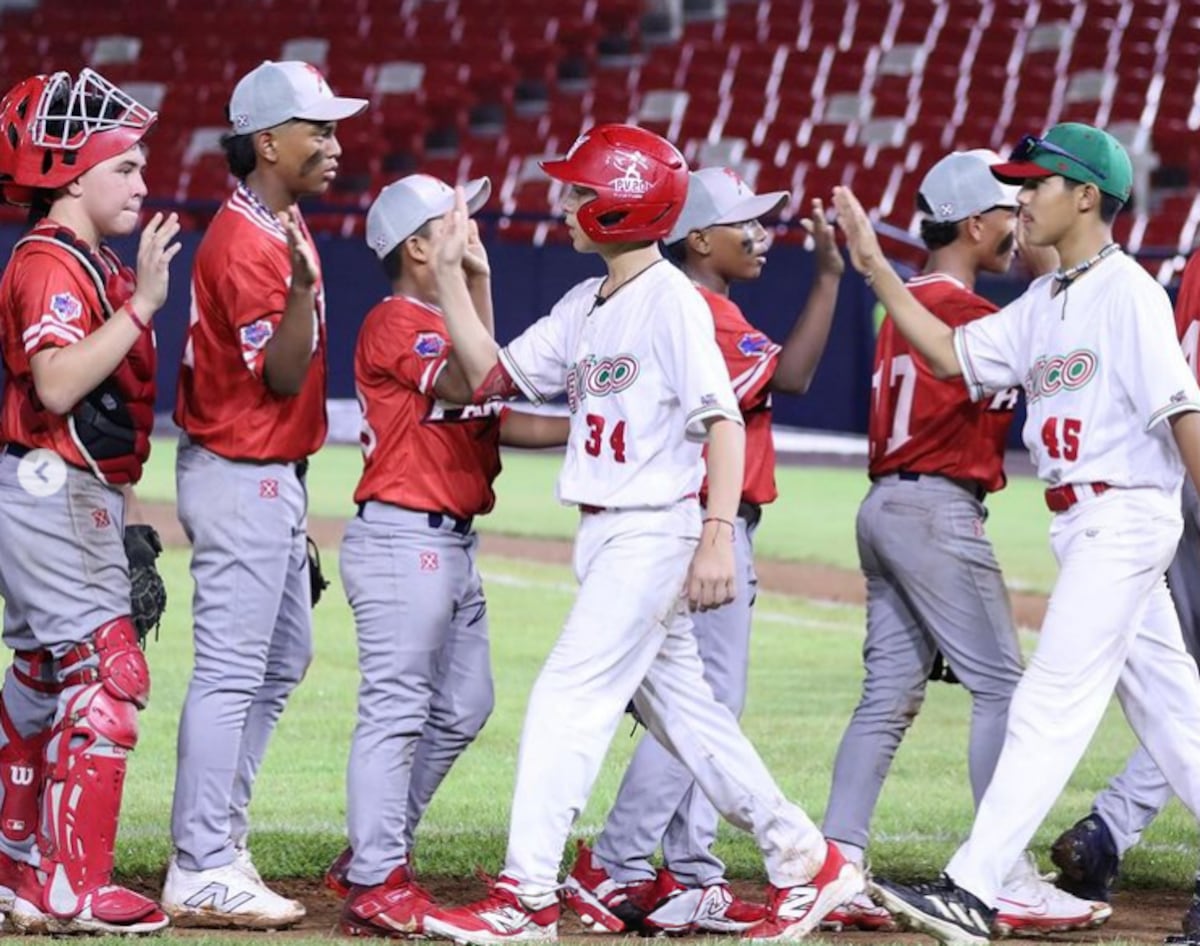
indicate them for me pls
(933, 583)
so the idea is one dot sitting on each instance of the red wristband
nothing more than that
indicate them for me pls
(144, 326)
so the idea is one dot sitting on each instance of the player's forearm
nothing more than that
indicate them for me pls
(1186, 429)
(474, 348)
(726, 466)
(62, 377)
(534, 431)
(290, 350)
(928, 334)
(480, 290)
(806, 341)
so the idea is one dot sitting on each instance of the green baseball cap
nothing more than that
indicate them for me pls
(1079, 152)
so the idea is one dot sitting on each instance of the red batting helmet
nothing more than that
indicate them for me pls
(640, 182)
(52, 130)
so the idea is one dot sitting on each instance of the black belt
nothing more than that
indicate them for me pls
(751, 512)
(974, 487)
(436, 519)
(17, 449)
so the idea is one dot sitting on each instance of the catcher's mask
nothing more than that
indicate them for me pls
(53, 129)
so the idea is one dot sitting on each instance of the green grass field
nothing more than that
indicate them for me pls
(805, 675)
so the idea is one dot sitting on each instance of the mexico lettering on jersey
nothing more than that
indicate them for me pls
(922, 424)
(751, 359)
(240, 284)
(46, 301)
(419, 452)
(1102, 369)
(642, 375)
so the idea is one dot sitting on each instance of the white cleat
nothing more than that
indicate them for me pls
(1028, 905)
(225, 897)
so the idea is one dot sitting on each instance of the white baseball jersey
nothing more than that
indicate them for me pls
(1101, 368)
(642, 374)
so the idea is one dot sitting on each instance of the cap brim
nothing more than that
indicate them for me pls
(1014, 172)
(335, 109)
(754, 207)
(477, 193)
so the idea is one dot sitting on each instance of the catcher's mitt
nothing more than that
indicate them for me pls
(147, 593)
(316, 577)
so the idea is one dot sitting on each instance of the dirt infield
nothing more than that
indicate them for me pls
(1138, 916)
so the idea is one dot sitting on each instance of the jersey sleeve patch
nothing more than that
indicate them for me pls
(429, 345)
(254, 338)
(753, 343)
(65, 307)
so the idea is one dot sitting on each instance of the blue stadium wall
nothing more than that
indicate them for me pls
(527, 280)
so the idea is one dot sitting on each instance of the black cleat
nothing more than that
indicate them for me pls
(942, 909)
(1086, 856)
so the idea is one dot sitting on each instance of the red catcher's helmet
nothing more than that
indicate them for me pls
(640, 182)
(52, 130)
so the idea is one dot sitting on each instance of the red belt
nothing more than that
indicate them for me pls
(590, 510)
(1062, 498)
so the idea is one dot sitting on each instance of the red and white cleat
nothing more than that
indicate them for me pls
(500, 917)
(794, 912)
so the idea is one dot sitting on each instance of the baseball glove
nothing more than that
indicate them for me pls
(316, 577)
(147, 593)
(941, 670)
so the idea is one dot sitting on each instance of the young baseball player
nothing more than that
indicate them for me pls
(251, 404)
(635, 354)
(718, 239)
(1112, 408)
(75, 421)
(408, 558)
(934, 457)
(1089, 853)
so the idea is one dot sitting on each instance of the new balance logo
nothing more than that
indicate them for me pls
(216, 897)
(506, 919)
(20, 774)
(955, 912)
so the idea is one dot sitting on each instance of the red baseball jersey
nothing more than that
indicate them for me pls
(420, 452)
(751, 358)
(47, 300)
(925, 425)
(240, 284)
(1187, 313)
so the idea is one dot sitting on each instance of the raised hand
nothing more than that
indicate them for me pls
(304, 263)
(829, 258)
(475, 259)
(449, 234)
(865, 252)
(155, 252)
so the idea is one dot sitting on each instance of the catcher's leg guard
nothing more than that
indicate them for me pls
(105, 682)
(20, 782)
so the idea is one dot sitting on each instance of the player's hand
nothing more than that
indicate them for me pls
(449, 234)
(824, 244)
(475, 259)
(711, 580)
(304, 263)
(155, 252)
(1039, 260)
(865, 252)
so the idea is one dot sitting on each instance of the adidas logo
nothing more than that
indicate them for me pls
(956, 913)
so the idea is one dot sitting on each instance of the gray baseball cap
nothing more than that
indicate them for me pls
(275, 92)
(962, 185)
(405, 205)
(719, 195)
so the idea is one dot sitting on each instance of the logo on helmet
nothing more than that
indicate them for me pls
(630, 164)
